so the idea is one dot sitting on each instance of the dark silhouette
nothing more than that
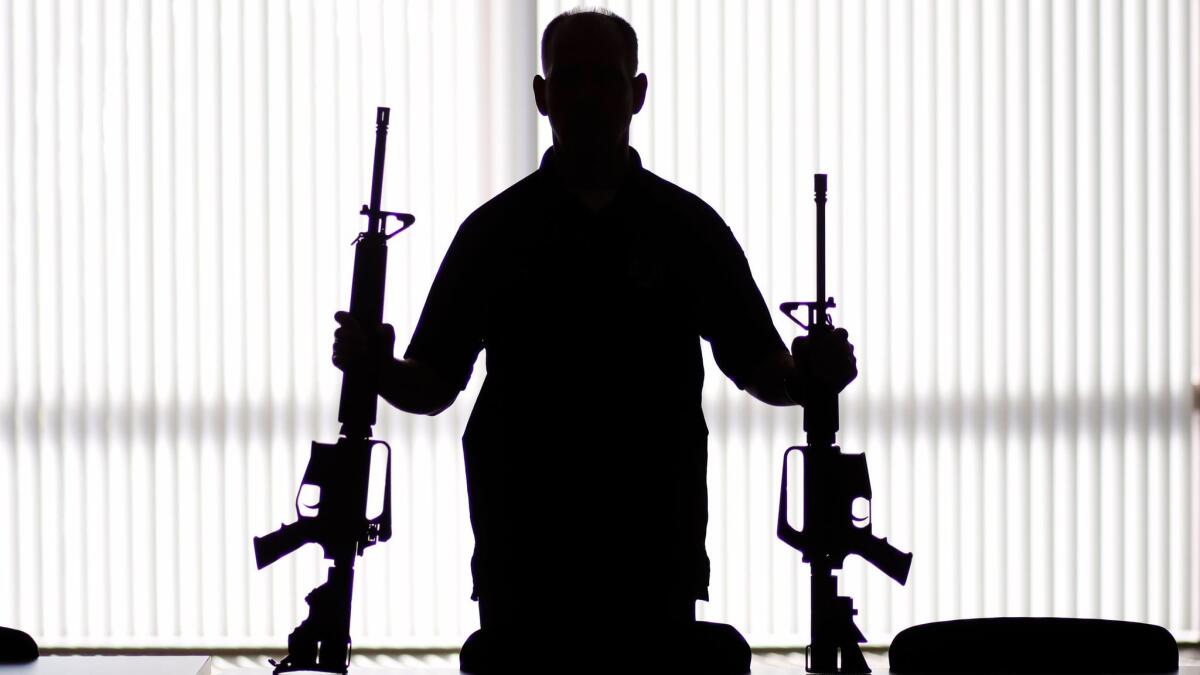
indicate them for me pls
(591, 283)
(16, 646)
(833, 482)
(1034, 645)
(339, 474)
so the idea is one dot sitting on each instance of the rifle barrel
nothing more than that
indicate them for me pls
(820, 185)
(382, 115)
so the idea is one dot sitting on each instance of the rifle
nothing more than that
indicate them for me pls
(339, 474)
(833, 482)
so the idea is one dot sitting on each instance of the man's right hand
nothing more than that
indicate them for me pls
(407, 384)
(352, 347)
(824, 363)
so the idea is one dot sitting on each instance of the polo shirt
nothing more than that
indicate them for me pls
(586, 451)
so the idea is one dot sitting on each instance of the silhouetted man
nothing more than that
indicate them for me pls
(590, 284)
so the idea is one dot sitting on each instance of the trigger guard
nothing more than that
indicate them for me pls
(314, 506)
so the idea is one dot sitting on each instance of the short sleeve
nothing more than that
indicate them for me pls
(448, 336)
(733, 315)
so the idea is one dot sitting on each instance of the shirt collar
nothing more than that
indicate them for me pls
(633, 177)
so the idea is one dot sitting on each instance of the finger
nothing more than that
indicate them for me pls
(841, 333)
(800, 343)
(344, 318)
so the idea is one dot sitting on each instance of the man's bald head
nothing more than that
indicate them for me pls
(591, 90)
(591, 20)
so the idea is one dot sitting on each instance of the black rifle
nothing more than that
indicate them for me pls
(341, 473)
(833, 482)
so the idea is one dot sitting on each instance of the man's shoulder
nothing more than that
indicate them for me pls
(690, 220)
(672, 197)
(660, 196)
(512, 201)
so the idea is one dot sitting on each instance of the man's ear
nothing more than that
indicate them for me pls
(539, 94)
(640, 84)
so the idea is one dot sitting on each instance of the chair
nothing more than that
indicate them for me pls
(1034, 645)
(16, 646)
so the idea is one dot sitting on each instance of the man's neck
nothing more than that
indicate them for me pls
(599, 170)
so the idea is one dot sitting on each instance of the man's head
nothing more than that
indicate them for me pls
(591, 90)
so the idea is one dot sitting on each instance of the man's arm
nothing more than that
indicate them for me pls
(823, 360)
(407, 384)
(414, 387)
(767, 380)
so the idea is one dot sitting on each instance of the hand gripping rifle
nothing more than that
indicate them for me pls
(339, 475)
(833, 482)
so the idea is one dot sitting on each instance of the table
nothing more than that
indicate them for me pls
(112, 665)
(755, 670)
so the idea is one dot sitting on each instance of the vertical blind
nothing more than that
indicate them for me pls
(1013, 247)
